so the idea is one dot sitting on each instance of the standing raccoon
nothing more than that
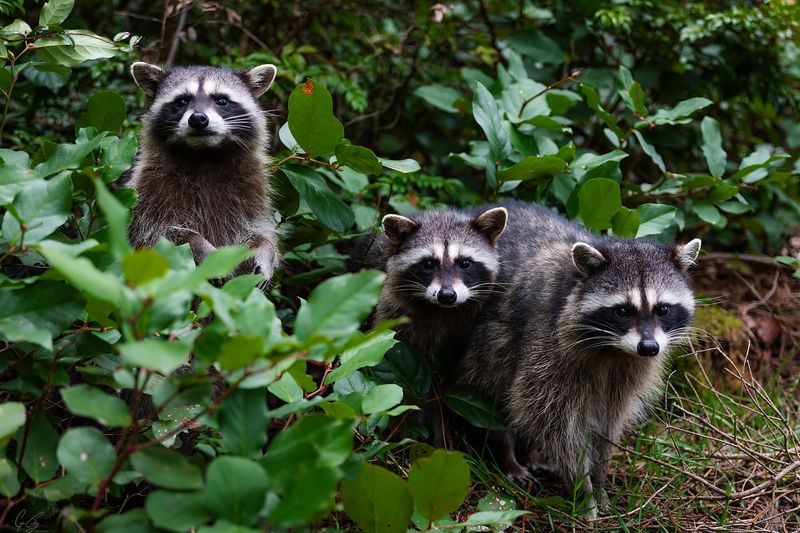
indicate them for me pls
(577, 347)
(440, 268)
(200, 170)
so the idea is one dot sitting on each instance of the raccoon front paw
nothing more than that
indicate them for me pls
(266, 259)
(603, 504)
(520, 475)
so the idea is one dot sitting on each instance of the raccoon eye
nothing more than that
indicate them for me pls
(428, 264)
(182, 102)
(221, 101)
(465, 263)
(623, 311)
(662, 310)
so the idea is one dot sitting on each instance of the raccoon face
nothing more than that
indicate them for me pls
(201, 107)
(635, 297)
(444, 258)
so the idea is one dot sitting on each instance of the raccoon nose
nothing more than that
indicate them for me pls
(447, 296)
(648, 348)
(198, 121)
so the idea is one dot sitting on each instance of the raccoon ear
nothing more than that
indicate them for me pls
(586, 258)
(686, 254)
(148, 77)
(398, 228)
(491, 223)
(260, 78)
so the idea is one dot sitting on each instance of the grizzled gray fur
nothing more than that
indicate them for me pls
(200, 170)
(576, 346)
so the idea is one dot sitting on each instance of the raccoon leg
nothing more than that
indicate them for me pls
(267, 257)
(200, 247)
(572, 461)
(601, 454)
(504, 447)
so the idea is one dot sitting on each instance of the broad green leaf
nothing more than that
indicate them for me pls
(14, 178)
(358, 158)
(239, 351)
(382, 398)
(67, 157)
(599, 200)
(327, 207)
(439, 483)
(176, 511)
(118, 218)
(133, 521)
(734, 207)
(365, 355)
(84, 275)
(287, 389)
(469, 404)
(244, 422)
(680, 113)
(631, 92)
(405, 166)
(39, 312)
(16, 28)
(487, 115)
(12, 417)
(378, 501)
(91, 402)
(62, 488)
(86, 454)
(405, 367)
(55, 12)
(440, 97)
(593, 101)
(588, 161)
(43, 206)
(722, 191)
(311, 492)
(159, 355)
(502, 519)
(650, 150)
(337, 306)
(533, 167)
(537, 46)
(40, 461)
(105, 111)
(625, 223)
(141, 266)
(9, 485)
(288, 140)
(73, 47)
(655, 219)
(715, 155)
(708, 213)
(514, 100)
(167, 468)
(235, 489)
(311, 119)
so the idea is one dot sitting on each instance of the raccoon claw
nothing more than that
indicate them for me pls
(520, 475)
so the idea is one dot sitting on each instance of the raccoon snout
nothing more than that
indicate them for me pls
(648, 348)
(447, 296)
(198, 121)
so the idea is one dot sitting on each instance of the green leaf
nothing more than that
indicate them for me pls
(470, 405)
(680, 113)
(631, 92)
(67, 157)
(167, 468)
(358, 158)
(311, 119)
(593, 101)
(722, 191)
(708, 213)
(650, 150)
(625, 223)
(84, 275)
(368, 354)
(91, 402)
(311, 492)
(159, 355)
(86, 454)
(405, 166)
(6, 81)
(12, 417)
(378, 501)
(538, 46)
(382, 398)
(43, 206)
(105, 111)
(40, 461)
(327, 207)
(73, 47)
(715, 155)
(144, 265)
(243, 422)
(440, 97)
(55, 12)
(239, 351)
(235, 489)
(502, 519)
(517, 94)
(405, 367)
(337, 306)
(484, 109)
(655, 219)
(9, 484)
(599, 200)
(133, 521)
(439, 483)
(533, 167)
(118, 218)
(14, 178)
(39, 312)
(176, 511)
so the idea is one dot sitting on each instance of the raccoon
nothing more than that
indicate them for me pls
(440, 267)
(577, 345)
(200, 170)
